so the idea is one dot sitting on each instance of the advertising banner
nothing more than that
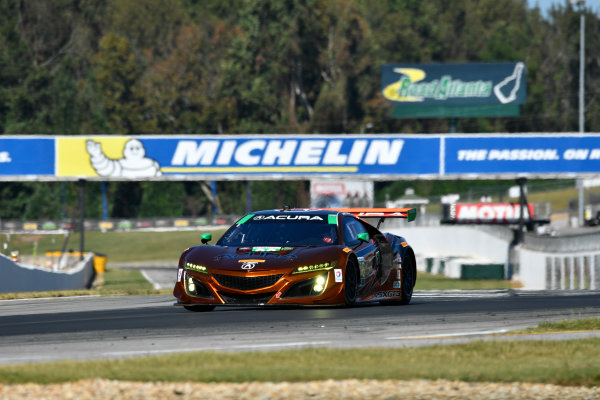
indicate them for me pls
(27, 156)
(250, 157)
(341, 193)
(299, 157)
(486, 213)
(511, 155)
(454, 84)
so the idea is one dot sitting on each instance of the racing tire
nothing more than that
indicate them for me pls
(203, 308)
(351, 283)
(409, 279)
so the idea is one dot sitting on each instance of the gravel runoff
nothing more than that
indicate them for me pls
(329, 389)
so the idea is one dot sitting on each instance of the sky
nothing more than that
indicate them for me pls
(593, 5)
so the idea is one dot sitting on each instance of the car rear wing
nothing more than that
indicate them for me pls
(409, 213)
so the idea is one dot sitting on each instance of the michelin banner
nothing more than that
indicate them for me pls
(293, 157)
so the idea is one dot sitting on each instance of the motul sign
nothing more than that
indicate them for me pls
(489, 213)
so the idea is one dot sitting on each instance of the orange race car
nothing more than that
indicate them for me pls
(299, 257)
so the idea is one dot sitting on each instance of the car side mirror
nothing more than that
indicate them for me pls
(364, 237)
(206, 237)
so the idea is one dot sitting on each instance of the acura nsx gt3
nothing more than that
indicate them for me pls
(299, 257)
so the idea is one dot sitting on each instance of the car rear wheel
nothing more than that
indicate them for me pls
(201, 308)
(408, 279)
(351, 283)
(408, 282)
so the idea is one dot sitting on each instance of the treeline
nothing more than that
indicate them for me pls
(73, 67)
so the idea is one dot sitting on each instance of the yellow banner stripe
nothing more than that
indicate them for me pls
(257, 169)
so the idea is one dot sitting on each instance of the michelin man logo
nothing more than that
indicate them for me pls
(134, 163)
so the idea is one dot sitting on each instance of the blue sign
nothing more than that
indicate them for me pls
(473, 84)
(296, 155)
(373, 157)
(522, 154)
(26, 156)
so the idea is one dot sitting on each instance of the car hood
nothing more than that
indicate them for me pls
(263, 258)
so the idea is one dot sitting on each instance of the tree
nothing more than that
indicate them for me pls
(117, 75)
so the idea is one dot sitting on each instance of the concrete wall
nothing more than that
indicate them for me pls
(28, 278)
(539, 263)
(457, 241)
(539, 270)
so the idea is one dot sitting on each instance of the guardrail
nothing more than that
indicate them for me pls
(33, 226)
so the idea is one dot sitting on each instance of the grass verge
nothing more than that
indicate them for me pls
(567, 325)
(116, 282)
(118, 246)
(427, 281)
(563, 363)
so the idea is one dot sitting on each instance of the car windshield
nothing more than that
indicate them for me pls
(284, 230)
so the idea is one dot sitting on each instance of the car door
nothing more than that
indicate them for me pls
(367, 252)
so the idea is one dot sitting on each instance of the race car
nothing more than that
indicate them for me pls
(299, 257)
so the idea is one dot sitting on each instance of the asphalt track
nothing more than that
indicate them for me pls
(38, 330)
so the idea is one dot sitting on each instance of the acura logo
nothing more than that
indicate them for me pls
(249, 265)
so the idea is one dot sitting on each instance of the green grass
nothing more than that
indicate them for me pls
(427, 281)
(563, 363)
(567, 325)
(118, 246)
(116, 282)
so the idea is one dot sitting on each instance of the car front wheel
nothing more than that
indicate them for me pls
(351, 284)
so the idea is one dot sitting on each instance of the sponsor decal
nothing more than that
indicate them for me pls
(249, 260)
(399, 273)
(388, 293)
(291, 155)
(116, 157)
(404, 244)
(397, 284)
(491, 213)
(179, 274)
(278, 295)
(288, 217)
(338, 275)
(267, 255)
(249, 264)
(260, 249)
(347, 250)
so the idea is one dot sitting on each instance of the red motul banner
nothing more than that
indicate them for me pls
(487, 213)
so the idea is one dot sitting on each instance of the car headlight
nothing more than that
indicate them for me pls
(319, 284)
(195, 267)
(326, 266)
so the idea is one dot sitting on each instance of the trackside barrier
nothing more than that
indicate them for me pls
(559, 271)
(30, 278)
(540, 263)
